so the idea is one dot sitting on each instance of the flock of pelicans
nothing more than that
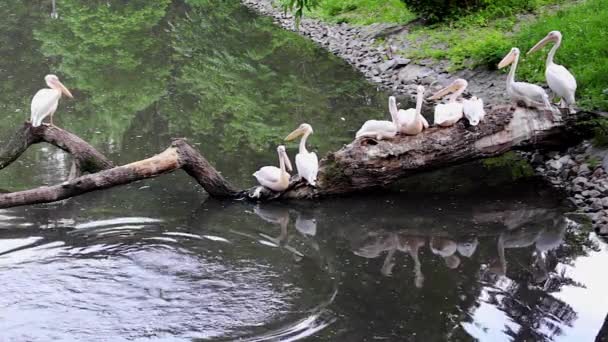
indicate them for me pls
(407, 122)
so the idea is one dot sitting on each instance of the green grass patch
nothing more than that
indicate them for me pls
(483, 38)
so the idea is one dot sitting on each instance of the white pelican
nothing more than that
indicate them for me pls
(307, 163)
(449, 113)
(46, 100)
(379, 129)
(275, 178)
(410, 121)
(559, 79)
(530, 94)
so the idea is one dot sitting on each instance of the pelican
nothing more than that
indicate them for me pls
(410, 121)
(559, 79)
(449, 113)
(46, 100)
(275, 178)
(307, 163)
(530, 94)
(379, 129)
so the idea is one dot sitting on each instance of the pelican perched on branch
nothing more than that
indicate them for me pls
(410, 121)
(275, 178)
(559, 79)
(530, 94)
(379, 129)
(447, 114)
(307, 163)
(46, 100)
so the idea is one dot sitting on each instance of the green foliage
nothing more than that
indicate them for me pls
(362, 12)
(593, 162)
(518, 167)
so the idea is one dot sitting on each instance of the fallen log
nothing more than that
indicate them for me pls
(358, 166)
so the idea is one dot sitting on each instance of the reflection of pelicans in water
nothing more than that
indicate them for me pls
(275, 178)
(307, 163)
(46, 100)
(544, 241)
(445, 248)
(411, 245)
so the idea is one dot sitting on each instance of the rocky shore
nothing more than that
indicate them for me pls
(579, 171)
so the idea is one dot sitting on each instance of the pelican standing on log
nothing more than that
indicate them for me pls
(46, 100)
(275, 178)
(410, 121)
(530, 94)
(379, 129)
(307, 163)
(447, 114)
(559, 79)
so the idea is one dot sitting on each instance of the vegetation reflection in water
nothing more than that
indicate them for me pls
(437, 267)
(230, 81)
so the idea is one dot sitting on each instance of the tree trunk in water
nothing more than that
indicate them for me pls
(359, 166)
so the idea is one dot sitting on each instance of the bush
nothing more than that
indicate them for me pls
(439, 10)
(442, 10)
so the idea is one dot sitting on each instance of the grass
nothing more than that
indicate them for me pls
(484, 38)
(360, 12)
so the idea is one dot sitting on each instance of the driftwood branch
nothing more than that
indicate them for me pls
(359, 166)
(86, 157)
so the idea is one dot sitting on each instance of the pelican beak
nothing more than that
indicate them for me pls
(287, 161)
(443, 92)
(64, 90)
(540, 44)
(298, 132)
(507, 60)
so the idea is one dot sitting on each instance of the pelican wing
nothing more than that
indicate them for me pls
(448, 114)
(530, 93)
(561, 81)
(268, 174)
(377, 128)
(308, 166)
(44, 103)
(473, 110)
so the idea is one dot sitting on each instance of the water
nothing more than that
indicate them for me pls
(461, 255)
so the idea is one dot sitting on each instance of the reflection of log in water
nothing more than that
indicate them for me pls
(362, 165)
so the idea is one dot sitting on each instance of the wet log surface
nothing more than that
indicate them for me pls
(361, 165)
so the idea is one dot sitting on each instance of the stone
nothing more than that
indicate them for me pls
(385, 66)
(596, 204)
(605, 202)
(577, 188)
(594, 194)
(580, 180)
(583, 170)
(566, 160)
(555, 164)
(412, 72)
(599, 172)
(585, 193)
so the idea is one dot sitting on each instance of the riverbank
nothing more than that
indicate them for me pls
(579, 171)
(365, 49)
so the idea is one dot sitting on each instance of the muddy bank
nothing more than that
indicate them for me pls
(370, 50)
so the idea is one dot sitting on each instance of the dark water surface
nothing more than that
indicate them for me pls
(477, 258)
